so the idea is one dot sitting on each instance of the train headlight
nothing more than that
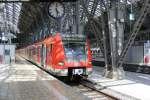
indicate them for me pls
(90, 62)
(61, 63)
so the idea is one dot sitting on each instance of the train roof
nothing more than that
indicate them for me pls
(64, 37)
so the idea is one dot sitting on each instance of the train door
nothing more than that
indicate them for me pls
(43, 55)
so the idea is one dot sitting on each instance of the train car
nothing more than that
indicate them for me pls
(62, 55)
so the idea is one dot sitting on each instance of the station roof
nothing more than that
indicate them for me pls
(9, 15)
(21, 17)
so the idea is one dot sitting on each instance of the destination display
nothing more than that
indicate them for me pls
(73, 37)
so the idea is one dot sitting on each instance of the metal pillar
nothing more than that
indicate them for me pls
(116, 32)
(107, 51)
(120, 37)
(77, 16)
(106, 41)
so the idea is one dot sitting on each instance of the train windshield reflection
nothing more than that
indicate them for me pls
(75, 52)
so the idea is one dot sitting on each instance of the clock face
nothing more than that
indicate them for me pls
(56, 9)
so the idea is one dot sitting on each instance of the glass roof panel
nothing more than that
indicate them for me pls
(9, 12)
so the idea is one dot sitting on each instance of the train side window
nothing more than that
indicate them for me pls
(33, 51)
(47, 49)
(37, 50)
(51, 46)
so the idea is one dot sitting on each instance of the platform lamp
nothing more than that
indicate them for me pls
(131, 16)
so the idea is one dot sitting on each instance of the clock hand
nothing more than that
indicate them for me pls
(56, 9)
(57, 12)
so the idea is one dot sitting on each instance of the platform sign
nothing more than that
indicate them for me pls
(147, 53)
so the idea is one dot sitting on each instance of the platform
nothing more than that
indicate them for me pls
(135, 86)
(24, 81)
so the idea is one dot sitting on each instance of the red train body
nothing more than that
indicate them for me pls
(62, 55)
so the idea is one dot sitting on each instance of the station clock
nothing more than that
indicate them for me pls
(56, 10)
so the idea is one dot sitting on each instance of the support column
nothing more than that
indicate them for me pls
(120, 37)
(107, 46)
(77, 16)
(116, 32)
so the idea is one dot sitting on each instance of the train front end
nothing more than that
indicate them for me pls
(77, 55)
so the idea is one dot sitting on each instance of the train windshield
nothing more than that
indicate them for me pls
(75, 52)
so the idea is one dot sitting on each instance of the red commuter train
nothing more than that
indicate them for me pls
(61, 54)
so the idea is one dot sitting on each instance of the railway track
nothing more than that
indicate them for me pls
(90, 90)
(92, 94)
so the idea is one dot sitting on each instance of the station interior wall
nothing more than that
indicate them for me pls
(135, 55)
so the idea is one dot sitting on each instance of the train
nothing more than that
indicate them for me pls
(67, 55)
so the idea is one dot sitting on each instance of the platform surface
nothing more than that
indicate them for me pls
(24, 81)
(133, 86)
